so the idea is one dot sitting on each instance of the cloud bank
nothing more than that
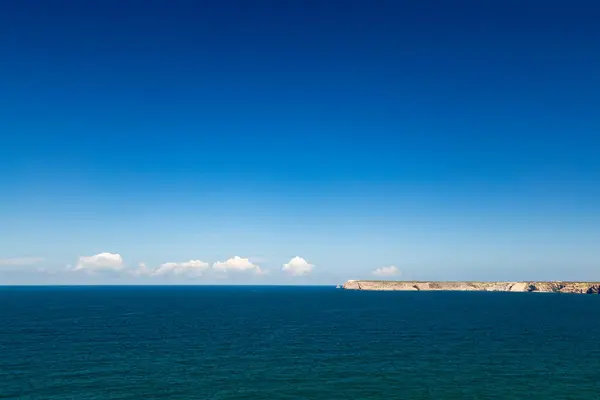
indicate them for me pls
(109, 262)
(112, 265)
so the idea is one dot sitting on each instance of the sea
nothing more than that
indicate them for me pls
(253, 342)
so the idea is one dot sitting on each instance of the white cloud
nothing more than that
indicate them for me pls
(298, 266)
(100, 262)
(237, 264)
(20, 261)
(192, 267)
(188, 268)
(387, 271)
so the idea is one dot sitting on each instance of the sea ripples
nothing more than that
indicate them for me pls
(295, 343)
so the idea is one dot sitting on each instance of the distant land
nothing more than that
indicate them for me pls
(531, 286)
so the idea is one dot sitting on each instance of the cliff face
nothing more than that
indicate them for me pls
(548, 287)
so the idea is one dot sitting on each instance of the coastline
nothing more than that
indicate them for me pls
(520, 286)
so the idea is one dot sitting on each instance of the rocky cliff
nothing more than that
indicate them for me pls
(547, 287)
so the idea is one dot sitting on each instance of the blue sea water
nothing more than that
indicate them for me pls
(295, 343)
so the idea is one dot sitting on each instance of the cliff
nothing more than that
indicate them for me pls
(532, 286)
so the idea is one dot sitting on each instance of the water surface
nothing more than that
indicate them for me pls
(295, 343)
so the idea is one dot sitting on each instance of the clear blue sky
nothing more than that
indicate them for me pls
(452, 140)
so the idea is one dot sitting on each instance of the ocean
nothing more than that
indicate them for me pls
(245, 342)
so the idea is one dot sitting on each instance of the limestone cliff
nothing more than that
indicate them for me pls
(532, 286)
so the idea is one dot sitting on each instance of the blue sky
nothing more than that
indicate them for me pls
(452, 141)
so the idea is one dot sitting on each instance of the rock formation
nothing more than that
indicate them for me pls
(532, 286)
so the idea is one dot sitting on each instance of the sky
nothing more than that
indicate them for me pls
(298, 142)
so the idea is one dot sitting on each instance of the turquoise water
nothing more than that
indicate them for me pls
(295, 343)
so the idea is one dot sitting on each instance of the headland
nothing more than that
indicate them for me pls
(528, 286)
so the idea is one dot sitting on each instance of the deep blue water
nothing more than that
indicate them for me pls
(295, 343)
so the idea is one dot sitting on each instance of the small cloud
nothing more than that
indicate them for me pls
(387, 271)
(100, 262)
(237, 264)
(298, 266)
(192, 267)
(20, 261)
